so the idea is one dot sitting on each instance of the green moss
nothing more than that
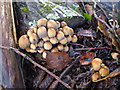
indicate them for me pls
(25, 9)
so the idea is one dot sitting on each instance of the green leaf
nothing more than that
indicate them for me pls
(118, 41)
(25, 9)
(87, 16)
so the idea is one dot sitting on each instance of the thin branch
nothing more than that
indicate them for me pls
(101, 20)
(93, 48)
(36, 64)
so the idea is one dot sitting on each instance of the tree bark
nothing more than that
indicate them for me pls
(10, 72)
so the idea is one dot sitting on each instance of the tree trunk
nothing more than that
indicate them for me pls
(10, 73)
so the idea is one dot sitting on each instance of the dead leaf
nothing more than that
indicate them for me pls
(107, 33)
(87, 58)
(57, 60)
(114, 73)
(118, 32)
(87, 33)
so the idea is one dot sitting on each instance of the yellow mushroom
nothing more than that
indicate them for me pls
(54, 50)
(45, 38)
(47, 45)
(29, 32)
(52, 24)
(63, 41)
(67, 30)
(74, 38)
(96, 64)
(66, 48)
(23, 42)
(60, 47)
(51, 32)
(30, 50)
(42, 32)
(104, 71)
(42, 22)
(41, 50)
(44, 54)
(41, 43)
(60, 35)
(63, 24)
(53, 40)
(95, 76)
(33, 38)
(69, 38)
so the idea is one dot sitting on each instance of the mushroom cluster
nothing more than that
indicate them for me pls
(100, 68)
(47, 35)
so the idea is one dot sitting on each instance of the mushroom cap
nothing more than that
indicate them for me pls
(114, 55)
(74, 38)
(63, 24)
(66, 48)
(42, 32)
(30, 50)
(53, 40)
(96, 64)
(41, 50)
(67, 30)
(52, 24)
(60, 47)
(33, 38)
(33, 46)
(54, 49)
(104, 71)
(35, 29)
(51, 32)
(60, 35)
(42, 22)
(95, 76)
(69, 38)
(23, 42)
(58, 24)
(44, 54)
(63, 41)
(40, 43)
(45, 38)
(29, 32)
(47, 45)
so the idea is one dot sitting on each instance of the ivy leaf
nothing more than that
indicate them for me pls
(87, 16)
(25, 9)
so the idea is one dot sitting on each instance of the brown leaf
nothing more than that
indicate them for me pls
(87, 58)
(87, 33)
(107, 33)
(118, 32)
(57, 60)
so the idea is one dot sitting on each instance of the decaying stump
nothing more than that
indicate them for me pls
(10, 75)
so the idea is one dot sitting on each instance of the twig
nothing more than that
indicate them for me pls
(54, 84)
(93, 48)
(36, 64)
(101, 20)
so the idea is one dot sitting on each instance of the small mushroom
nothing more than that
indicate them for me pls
(29, 32)
(63, 41)
(69, 38)
(96, 63)
(42, 32)
(54, 50)
(60, 47)
(44, 54)
(114, 55)
(35, 29)
(33, 46)
(60, 35)
(74, 38)
(45, 38)
(51, 32)
(42, 22)
(41, 43)
(41, 50)
(33, 38)
(23, 42)
(67, 30)
(63, 24)
(58, 24)
(47, 45)
(95, 76)
(53, 40)
(104, 71)
(30, 50)
(52, 24)
(66, 48)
